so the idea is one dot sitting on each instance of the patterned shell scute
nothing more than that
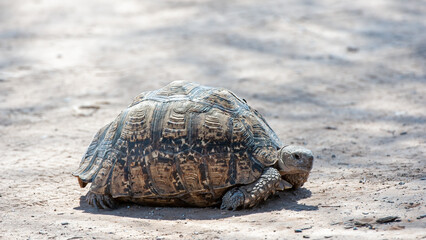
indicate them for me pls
(221, 98)
(183, 141)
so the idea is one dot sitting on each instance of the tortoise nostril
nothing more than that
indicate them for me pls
(297, 156)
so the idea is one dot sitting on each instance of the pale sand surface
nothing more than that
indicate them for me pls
(345, 78)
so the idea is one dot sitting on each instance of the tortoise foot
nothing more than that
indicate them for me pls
(100, 201)
(233, 199)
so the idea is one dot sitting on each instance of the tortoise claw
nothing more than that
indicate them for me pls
(110, 203)
(103, 204)
(95, 203)
(100, 201)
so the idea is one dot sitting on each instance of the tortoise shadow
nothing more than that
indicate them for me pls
(287, 200)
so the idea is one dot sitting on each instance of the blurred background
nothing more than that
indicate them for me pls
(346, 79)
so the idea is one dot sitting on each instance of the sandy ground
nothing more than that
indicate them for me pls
(348, 80)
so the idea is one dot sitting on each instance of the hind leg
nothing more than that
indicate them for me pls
(100, 201)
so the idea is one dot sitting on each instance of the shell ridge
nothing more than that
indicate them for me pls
(119, 129)
(92, 152)
(276, 141)
(232, 171)
(180, 174)
(156, 128)
(87, 168)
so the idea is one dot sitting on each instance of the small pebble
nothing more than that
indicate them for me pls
(352, 49)
(401, 183)
(355, 228)
(333, 156)
(298, 230)
(64, 223)
(305, 236)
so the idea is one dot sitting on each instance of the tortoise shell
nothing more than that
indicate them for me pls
(183, 144)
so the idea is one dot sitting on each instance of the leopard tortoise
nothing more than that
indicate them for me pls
(189, 145)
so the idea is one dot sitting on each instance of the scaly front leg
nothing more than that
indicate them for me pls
(250, 195)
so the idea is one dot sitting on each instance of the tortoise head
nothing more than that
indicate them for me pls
(294, 164)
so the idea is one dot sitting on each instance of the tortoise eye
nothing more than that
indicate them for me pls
(297, 156)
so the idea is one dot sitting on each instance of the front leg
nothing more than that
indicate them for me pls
(252, 194)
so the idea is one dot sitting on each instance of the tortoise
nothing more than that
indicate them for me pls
(189, 145)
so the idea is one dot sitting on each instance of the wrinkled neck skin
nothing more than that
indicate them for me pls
(295, 178)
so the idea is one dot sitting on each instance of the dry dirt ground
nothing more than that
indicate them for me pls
(346, 79)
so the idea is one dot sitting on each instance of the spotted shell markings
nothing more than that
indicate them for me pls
(185, 142)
